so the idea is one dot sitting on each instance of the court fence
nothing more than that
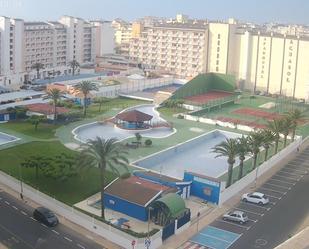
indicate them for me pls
(93, 225)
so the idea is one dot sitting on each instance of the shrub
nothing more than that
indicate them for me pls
(125, 175)
(180, 116)
(148, 142)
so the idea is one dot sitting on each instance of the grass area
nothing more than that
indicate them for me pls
(73, 190)
(44, 131)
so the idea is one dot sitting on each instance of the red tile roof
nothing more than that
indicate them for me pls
(46, 109)
(134, 116)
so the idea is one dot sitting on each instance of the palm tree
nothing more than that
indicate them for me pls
(101, 101)
(55, 95)
(287, 126)
(276, 127)
(74, 65)
(104, 154)
(242, 151)
(85, 87)
(35, 121)
(37, 67)
(268, 139)
(255, 141)
(227, 148)
(295, 115)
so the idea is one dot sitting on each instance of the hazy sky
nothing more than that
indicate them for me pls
(286, 11)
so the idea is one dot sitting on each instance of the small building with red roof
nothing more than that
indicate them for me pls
(133, 119)
(44, 109)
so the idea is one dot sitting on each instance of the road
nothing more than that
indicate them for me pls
(269, 225)
(18, 230)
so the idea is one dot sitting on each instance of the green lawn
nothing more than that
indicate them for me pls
(44, 131)
(71, 191)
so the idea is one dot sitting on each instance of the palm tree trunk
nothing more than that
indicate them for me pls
(254, 161)
(85, 104)
(241, 169)
(230, 174)
(285, 139)
(100, 107)
(276, 145)
(293, 134)
(55, 113)
(102, 191)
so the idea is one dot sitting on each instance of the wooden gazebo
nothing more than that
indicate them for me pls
(133, 119)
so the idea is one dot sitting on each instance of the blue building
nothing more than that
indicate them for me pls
(7, 115)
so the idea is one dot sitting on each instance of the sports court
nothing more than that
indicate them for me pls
(212, 238)
(207, 97)
(257, 113)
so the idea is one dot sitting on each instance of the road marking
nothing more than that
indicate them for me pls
(235, 224)
(24, 213)
(272, 203)
(6, 202)
(289, 173)
(255, 221)
(213, 237)
(256, 205)
(286, 177)
(291, 183)
(15, 207)
(54, 231)
(284, 193)
(302, 171)
(43, 225)
(291, 165)
(32, 218)
(278, 186)
(68, 239)
(271, 196)
(250, 212)
(79, 245)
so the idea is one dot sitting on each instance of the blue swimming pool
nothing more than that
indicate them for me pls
(194, 155)
(5, 138)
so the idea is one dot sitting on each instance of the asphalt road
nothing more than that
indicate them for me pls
(18, 230)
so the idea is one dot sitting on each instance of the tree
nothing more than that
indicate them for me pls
(295, 115)
(138, 137)
(74, 65)
(227, 148)
(148, 142)
(255, 141)
(242, 151)
(101, 101)
(55, 95)
(35, 121)
(85, 87)
(63, 167)
(36, 162)
(104, 154)
(37, 67)
(276, 127)
(268, 139)
(287, 126)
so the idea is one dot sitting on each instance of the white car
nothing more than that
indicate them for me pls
(237, 216)
(255, 197)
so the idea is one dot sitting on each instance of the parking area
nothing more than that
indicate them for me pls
(276, 188)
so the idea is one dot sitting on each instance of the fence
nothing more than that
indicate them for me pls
(280, 157)
(104, 230)
(168, 230)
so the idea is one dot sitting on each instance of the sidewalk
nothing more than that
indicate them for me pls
(179, 239)
(98, 239)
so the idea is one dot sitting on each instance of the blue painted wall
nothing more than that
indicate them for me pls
(12, 116)
(204, 188)
(122, 206)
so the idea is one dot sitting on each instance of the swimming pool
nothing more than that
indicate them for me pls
(194, 155)
(5, 138)
(108, 130)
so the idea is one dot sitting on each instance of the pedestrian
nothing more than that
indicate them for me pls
(21, 196)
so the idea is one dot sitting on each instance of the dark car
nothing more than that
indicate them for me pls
(45, 216)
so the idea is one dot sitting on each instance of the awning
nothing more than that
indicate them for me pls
(174, 203)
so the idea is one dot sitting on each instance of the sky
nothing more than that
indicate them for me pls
(258, 11)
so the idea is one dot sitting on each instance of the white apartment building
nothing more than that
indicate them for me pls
(11, 52)
(105, 38)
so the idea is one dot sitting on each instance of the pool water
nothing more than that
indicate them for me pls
(194, 155)
(5, 138)
(107, 130)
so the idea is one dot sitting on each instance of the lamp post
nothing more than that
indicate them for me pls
(198, 218)
(149, 210)
(21, 183)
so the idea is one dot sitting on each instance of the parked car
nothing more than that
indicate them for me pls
(256, 197)
(45, 216)
(237, 216)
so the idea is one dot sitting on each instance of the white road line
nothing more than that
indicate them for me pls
(24, 213)
(43, 225)
(302, 171)
(272, 203)
(286, 177)
(68, 239)
(15, 207)
(54, 231)
(271, 196)
(235, 224)
(278, 186)
(79, 245)
(6, 202)
(290, 183)
(256, 205)
(289, 173)
(32, 218)
(269, 189)
(255, 221)
(213, 237)
(250, 212)
(297, 165)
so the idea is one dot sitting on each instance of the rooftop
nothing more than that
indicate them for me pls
(46, 109)
(134, 116)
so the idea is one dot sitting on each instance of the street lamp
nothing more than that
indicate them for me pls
(149, 210)
(21, 183)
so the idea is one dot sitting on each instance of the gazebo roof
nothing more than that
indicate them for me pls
(134, 116)
(174, 203)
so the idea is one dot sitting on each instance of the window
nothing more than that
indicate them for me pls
(217, 69)
(217, 62)
(218, 43)
(219, 36)
(218, 49)
(218, 56)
